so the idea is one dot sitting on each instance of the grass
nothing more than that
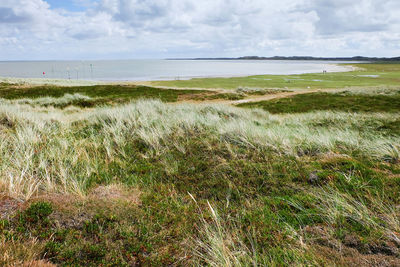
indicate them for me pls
(89, 95)
(330, 101)
(154, 184)
(110, 185)
(367, 75)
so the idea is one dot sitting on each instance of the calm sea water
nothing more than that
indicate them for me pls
(135, 70)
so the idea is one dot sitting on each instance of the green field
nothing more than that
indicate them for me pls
(382, 75)
(331, 101)
(308, 180)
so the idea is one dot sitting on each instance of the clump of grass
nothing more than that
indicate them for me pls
(219, 243)
(379, 90)
(15, 253)
(258, 91)
(371, 214)
(228, 96)
(60, 102)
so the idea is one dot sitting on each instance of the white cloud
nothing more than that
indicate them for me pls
(30, 29)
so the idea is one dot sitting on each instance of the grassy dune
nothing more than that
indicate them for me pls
(154, 184)
(111, 185)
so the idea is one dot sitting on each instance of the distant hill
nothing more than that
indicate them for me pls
(356, 58)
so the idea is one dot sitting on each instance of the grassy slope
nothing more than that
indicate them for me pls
(388, 75)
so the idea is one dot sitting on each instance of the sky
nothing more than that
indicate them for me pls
(144, 29)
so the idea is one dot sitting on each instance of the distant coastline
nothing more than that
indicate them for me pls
(152, 70)
(356, 58)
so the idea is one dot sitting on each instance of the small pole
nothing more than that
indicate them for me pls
(69, 75)
(84, 70)
(91, 71)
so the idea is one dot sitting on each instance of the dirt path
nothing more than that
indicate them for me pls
(272, 96)
(255, 98)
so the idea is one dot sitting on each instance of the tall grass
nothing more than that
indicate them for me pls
(221, 241)
(14, 253)
(335, 206)
(46, 149)
(220, 244)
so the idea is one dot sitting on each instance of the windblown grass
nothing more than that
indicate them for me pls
(370, 214)
(108, 185)
(59, 151)
(219, 245)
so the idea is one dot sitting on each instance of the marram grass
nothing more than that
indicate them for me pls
(47, 151)
(154, 184)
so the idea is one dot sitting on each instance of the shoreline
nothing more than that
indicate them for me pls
(78, 82)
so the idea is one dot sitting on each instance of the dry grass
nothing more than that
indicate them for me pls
(14, 253)
(220, 244)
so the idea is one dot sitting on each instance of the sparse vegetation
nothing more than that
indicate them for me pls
(364, 76)
(154, 184)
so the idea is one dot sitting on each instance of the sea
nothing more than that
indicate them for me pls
(151, 70)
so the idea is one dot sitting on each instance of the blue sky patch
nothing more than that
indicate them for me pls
(70, 5)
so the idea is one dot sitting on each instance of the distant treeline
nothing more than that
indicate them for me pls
(357, 58)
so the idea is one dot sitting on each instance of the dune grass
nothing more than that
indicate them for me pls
(156, 184)
(90, 95)
(366, 75)
(310, 180)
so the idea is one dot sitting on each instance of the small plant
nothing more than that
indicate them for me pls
(38, 212)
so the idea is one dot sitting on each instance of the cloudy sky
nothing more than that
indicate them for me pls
(120, 29)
